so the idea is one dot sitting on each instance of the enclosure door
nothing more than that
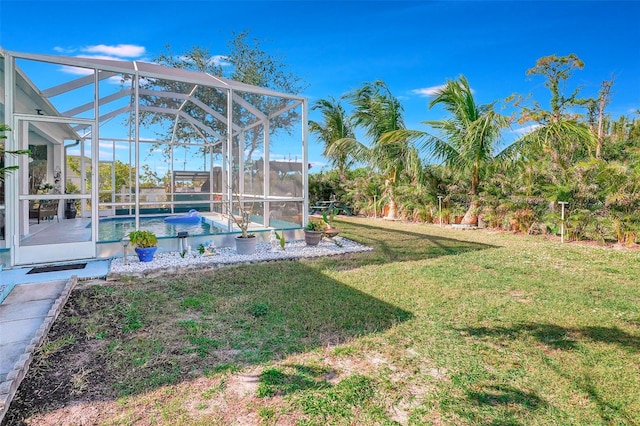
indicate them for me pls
(55, 182)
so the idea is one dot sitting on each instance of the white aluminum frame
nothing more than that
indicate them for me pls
(103, 69)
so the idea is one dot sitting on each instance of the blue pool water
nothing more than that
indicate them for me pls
(113, 229)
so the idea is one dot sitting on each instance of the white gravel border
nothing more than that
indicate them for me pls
(173, 263)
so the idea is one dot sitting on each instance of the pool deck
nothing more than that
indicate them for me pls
(221, 221)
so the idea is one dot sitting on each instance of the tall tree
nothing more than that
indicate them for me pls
(379, 113)
(466, 141)
(246, 62)
(557, 70)
(251, 64)
(556, 131)
(596, 108)
(335, 126)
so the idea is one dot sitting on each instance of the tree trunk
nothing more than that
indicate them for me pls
(603, 101)
(392, 214)
(471, 216)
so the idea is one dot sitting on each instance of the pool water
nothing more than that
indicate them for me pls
(113, 229)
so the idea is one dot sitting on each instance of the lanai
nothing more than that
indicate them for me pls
(141, 125)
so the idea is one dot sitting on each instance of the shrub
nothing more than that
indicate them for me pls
(626, 228)
(524, 219)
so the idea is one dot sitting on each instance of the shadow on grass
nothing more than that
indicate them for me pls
(507, 397)
(563, 338)
(132, 338)
(394, 245)
(292, 378)
(558, 337)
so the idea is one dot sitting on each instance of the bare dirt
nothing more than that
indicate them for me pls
(62, 380)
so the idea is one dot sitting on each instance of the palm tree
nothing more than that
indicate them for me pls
(334, 127)
(466, 141)
(378, 113)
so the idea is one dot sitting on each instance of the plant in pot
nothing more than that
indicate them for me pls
(245, 242)
(146, 244)
(330, 230)
(314, 231)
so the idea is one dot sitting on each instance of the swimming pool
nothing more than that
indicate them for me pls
(113, 229)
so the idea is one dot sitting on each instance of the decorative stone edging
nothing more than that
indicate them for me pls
(9, 387)
(172, 263)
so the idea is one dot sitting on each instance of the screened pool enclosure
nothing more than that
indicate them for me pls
(125, 141)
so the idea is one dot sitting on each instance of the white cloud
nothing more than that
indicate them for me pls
(428, 91)
(431, 91)
(105, 57)
(525, 130)
(122, 146)
(64, 50)
(119, 50)
(76, 70)
(105, 155)
(101, 51)
(256, 154)
(219, 60)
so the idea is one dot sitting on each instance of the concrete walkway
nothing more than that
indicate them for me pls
(26, 316)
(11, 277)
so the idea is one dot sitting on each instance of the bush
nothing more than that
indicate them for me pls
(626, 228)
(524, 219)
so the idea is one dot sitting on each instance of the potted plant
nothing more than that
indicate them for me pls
(330, 230)
(146, 244)
(245, 242)
(314, 231)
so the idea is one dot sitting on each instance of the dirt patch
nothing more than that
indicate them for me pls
(244, 384)
(67, 372)
(76, 413)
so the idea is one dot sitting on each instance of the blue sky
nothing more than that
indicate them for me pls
(336, 46)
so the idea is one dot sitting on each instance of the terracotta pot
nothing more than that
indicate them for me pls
(331, 232)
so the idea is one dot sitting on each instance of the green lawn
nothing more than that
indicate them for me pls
(435, 326)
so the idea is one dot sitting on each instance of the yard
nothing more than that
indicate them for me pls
(435, 326)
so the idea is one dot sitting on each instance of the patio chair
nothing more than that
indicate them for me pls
(44, 210)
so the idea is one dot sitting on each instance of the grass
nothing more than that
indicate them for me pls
(435, 326)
